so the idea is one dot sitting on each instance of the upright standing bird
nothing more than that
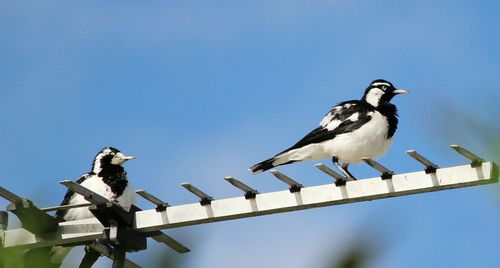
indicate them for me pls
(109, 179)
(352, 130)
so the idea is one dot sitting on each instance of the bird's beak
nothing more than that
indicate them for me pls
(126, 158)
(119, 159)
(401, 91)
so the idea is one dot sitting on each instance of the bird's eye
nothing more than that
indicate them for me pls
(384, 87)
(112, 153)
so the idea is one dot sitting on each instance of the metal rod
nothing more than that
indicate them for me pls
(476, 160)
(109, 252)
(160, 204)
(249, 192)
(90, 258)
(369, 189)
(294, 185)
(89, 195)
(429, 166)
(4, 221)
(119, 256)
(204, 198)
(64, 207)
(339, 179)
(170, 242)
(385, 173)
(10, 196)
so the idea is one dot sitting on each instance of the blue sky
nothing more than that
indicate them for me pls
(202, 90)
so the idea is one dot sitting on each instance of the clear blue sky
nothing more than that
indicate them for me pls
(199, 90)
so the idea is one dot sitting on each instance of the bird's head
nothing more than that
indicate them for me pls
(109, 156)
(380, 91)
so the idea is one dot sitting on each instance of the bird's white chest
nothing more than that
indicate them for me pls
(95, 184)
(370, 140)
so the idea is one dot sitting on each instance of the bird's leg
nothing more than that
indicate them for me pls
(340, 182)
(343, 169)
(350, 177)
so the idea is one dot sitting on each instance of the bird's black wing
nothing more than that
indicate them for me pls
(338, 117)
(67, 197)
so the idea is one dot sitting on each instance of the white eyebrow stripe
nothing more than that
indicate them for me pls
(381, 84)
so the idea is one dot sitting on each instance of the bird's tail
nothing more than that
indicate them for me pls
(262, 166)
(278, 160)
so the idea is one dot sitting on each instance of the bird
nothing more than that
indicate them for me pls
(350, 131)
(107, 178)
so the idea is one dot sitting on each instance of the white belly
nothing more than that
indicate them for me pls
(94, 183)
(370, 141)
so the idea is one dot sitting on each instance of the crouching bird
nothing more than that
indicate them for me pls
(107, 178)
(352, 130)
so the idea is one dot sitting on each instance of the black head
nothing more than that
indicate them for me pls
(381, 91)
(107, 157)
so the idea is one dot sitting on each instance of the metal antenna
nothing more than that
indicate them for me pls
(170, 242)
(249, 192)
(429, 166)
(66, 207)
(113, 231)
(204, 198)
(10, 196)
(385, 173)
(339, 179)
(90, 196)
(294, 185)
(476, 160)
(109, 252)
(32, 218)
(160, 205)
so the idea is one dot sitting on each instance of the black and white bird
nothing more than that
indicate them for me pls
(107, 178)
(352, 130)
